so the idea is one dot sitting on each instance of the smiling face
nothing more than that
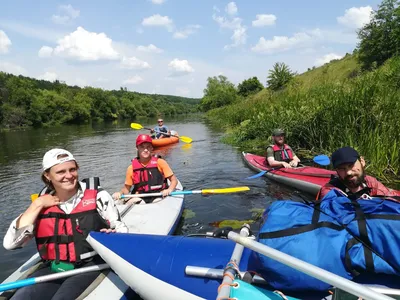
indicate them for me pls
(160, 122)
(352, 174)
(63, 177)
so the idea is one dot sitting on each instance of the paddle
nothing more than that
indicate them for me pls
(322, 160)
(30, 281)
(184, 139)
(206, 191)
(309, 269)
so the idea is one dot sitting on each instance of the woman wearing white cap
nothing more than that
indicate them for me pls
(60, 220)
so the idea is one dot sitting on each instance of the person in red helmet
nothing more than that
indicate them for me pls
(147, 174)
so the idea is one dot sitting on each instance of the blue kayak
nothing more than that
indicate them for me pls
(155, 266)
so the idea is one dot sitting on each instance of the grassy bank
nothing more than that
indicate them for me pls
(324, 109)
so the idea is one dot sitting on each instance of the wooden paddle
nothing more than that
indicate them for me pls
(184, 139)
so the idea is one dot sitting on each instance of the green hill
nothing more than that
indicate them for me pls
(26, 101)
(323, 109)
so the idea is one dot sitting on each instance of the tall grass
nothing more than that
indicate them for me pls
(362, 112)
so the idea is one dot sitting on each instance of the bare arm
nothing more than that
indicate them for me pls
(274, 163)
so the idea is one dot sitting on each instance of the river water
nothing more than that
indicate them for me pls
(105, 150)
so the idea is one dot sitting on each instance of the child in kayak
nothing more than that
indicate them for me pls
(60, 220)
(147, 174)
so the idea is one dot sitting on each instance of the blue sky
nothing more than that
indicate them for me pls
(172, 46)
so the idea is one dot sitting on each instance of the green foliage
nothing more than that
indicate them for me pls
(26, 101)
(279, 76)
(362, 112)
(219, 92)
(249, 86)
(380, 38)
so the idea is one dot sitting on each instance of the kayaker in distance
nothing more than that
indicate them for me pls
(280, 154)
(147, 174)
(156, 131)
(72, 209)
(351, 178)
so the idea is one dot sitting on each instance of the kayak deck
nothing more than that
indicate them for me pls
(165, 141)
(307, 179)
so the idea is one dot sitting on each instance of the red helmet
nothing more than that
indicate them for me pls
(143, 138)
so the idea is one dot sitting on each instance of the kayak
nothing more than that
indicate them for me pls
(159, 273)
(159, 218)
(305, 178)
(165, 141)
(190, 268)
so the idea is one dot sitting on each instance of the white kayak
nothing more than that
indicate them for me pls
(159, 218)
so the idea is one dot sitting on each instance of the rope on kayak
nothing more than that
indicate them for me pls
(232, 266)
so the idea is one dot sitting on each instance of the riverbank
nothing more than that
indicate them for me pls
(322, 112)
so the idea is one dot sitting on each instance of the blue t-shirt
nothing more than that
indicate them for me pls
(158, 129)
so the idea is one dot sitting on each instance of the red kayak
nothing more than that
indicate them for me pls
(306, 179)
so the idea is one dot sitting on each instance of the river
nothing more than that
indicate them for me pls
(105, 150)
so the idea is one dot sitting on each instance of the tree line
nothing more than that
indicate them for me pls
(30, 102)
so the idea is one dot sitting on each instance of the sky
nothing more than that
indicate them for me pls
(173, 46)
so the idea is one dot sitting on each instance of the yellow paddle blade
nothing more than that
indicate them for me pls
(34, 197)
(185, 139)
(136, 126)
(226, 190)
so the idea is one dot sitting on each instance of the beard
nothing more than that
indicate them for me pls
(352, 182)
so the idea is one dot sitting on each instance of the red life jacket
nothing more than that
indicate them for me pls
(147, 179)
(282, 154)
(62, 237)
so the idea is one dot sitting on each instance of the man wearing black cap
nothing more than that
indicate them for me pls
(351, 178)
(280, 154)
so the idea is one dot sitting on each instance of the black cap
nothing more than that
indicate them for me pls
(278, 131)
(345, 155)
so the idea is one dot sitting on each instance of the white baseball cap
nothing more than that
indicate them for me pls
(50, 158)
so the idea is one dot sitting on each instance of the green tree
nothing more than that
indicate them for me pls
(219, 92)
(380, 38)
(279, 76)
(249, 86)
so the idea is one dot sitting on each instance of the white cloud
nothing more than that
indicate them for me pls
(157, 1)
(13, 69)
(68, 13)
(134, 63)
(158, 20)
(133, 80)
(326, 58)
(5, 42)
(231, 8)
(49, 76)
(150, 49)
(189, 30)
(264, 20)
(180, 67)
(239, 35)
(283, 43)
(356, 17)
(45, 51)
(227, 23)
(84, 46)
